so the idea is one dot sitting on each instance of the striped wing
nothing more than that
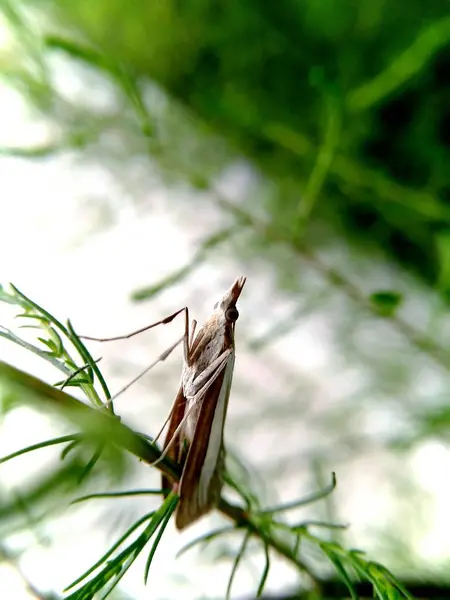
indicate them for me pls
(175, 451)
(202, 479)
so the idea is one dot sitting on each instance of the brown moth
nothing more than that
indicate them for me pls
(195, 435)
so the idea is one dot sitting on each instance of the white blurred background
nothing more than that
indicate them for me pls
(299, 408)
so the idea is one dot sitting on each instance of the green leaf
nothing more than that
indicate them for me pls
(386, 302)
(113, 548)
(206, 538)
(91, 464)
(41, 318)
(57, 341)
(150, 492)
(442, 240)
(312, 498)
(115, 568)
(237, 560)
(52, 442)
(265, 573)
(12, 337)
(50, 345)
(89, 360)
(7, 297)
(70, 447)
(80, 52)
(46, 495)
(41, 151)
(76, 381)
(326, 549)
(169, 506)
(28, 302)
(300, 527)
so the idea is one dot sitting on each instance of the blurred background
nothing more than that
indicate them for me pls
(152, 152)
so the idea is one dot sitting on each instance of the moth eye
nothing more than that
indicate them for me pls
(232, 314)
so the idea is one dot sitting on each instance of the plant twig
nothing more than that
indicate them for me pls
(121, 435)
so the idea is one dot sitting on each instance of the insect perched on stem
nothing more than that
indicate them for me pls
(196, 423)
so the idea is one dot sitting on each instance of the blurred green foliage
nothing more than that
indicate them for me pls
(343, 104)
(342, 107)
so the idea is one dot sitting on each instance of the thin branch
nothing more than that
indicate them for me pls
(98, 421)
(123, 436)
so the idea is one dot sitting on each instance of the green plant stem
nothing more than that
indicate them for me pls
(101, 421)
(96, 422)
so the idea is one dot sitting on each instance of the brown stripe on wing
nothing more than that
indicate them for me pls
(189, 508)
(176, 448)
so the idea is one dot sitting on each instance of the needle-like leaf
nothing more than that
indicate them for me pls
(107, 554)
(170, 506)
(45, 444)
(237, 560)
(118, 495)
(206, 538)
(265, 573)
(304, 501)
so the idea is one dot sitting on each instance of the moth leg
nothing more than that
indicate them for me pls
(186, 345)
(146, 328)
(188, 339)
(162, 357)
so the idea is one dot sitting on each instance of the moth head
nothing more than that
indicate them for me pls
(227, 306)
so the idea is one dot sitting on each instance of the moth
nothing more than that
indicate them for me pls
(195, 435)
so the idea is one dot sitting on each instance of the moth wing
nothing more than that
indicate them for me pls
(176, 448)
(201, 481)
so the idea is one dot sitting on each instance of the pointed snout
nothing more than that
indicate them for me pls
(236, 289)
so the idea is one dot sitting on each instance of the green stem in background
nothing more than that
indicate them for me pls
(403, 68)
(332, 118)
(357, 179)
(203, 252)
